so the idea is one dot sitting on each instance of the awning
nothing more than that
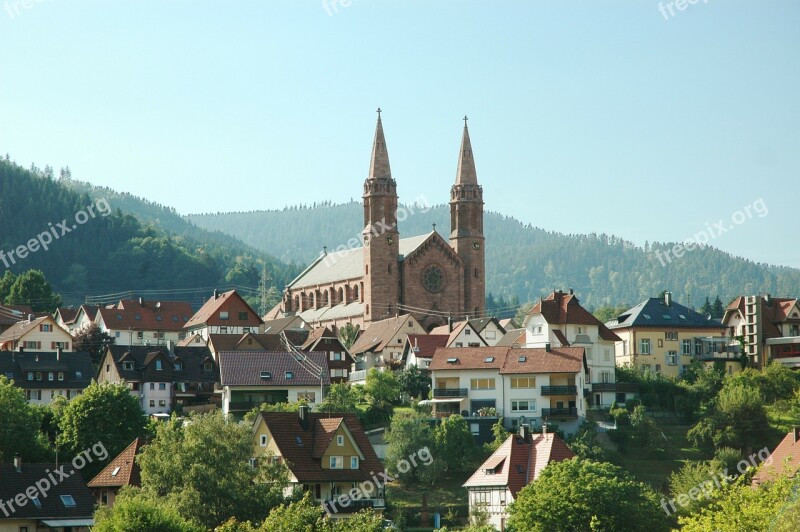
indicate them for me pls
(440, 400)
(59, 523)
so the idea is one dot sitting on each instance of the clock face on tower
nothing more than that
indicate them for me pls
(433, 279)
(389, 240)
(476, 245)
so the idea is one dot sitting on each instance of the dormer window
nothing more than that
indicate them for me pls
(174, 318)
(137, 317)
(159, 365)
(289, 375)
(522, 359)
(178, 366)
(452, 360)
(207, 366)
(266, 375)
(158, 317)
(488, 360)
(127, 366)
(36, 502)
(68, 501)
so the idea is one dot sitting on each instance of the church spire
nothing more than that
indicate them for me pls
(466, 174)
(379, 164)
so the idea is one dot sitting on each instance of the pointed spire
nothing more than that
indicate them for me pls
(466, 174)
(379, 165)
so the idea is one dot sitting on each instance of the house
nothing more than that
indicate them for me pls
(663, 336)
(768, 327)
(161, 379)
(84, 318)
(11, 314)
(65, 317)
(141, 322)
(323, 340)
(419, 348)
(289, 323)
(67, 505)
(328, 455)
(461, 334)
(784, 460)
(561, 321)
(47, 375)
(516, 463)
(489, 329)
(508, 323)
(513, 338)
(226, 313)
(251, 378)
(122, 471)
(541, 385)
(381, 345)
(36, 334)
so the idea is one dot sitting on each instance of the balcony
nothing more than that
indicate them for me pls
(243, 405)
(604, 386)
(449, 392)
(353, 505)
(357, 376)
(570, 389)
(560, 412)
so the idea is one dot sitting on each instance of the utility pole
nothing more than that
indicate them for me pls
(262, 291)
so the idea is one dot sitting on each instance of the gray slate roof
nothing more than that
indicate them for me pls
(243, 368)
(77, 369)
(654, 312)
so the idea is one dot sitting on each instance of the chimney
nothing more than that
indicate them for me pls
(30, 317)
(216, 294)
(668, 298)
(547, 347)
(302, 412)
(796, 434)
(18, 462)
(58, 354)
(768, 299)
(544, 430)
(523, 430)
(571, 291)
(141, 301)
(450, 324)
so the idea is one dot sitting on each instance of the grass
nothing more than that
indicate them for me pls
(446, 492)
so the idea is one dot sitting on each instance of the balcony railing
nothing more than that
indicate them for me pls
(243, 405)
(570, 389)
(449, 392)
(560, 412)
(604, 386)
(358, 375)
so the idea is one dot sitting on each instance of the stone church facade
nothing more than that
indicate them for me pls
(426, 275)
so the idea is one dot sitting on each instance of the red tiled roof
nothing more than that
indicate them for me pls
(785, 455)
(126, 467)
(469, 358)
(427, 343)
(510, 360)
(303, 459)
(152, 315)
(379, 333)
(519, 461)
(211, 306)
(561, 309)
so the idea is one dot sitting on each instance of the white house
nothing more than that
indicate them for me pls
(134, 322)
(36, 334)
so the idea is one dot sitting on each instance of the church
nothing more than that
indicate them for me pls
(387, 275)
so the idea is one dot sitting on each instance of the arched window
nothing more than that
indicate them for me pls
(367, 269)
(390, 268)
(339, 296)
(356, 293)
(367, 308)
(296, 305)
(476, 273)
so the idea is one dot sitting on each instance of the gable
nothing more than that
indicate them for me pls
(432, 249)
(349, 447)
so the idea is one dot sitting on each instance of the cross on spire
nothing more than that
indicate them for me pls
(465, 120)
(434, 226)
(379, 113)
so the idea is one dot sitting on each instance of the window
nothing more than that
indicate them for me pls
(68, 501)
(523, 382)
(152, 386)
(61, 375)
(104, 498)
(475, 428)
(162, 385)
(30, 375)
(140, 335)
(672, 358)
(452, 360)
(138, 317)
(223, 315)
(336, 356)
(223, 330)
(78, 374)
(658, 368)
(152, 403)
(482, 384)
(38, 375)
(243, 316)
(46, 327)
(36, 502)
(522, 359)
(29, 344)
(340, 440)
(289, 375)
(488, 360)
(159, 365)
(588, 353)
(580, 330)
(686, 347)
(605, 376)
(162, 402)
(523, 405)
(490, 335)
(644, 346)
(467, 332)
(115, 472)
(50, 376)
(646, 367)
(482, 497)
(263, 440)
(266, 375)
(207, 366)
(459, 344)
(126, 365)
(337, 462)
(178, 366)
(660, 342)
(671, 335)
(354, 462)
(607, 354)
(158, 317)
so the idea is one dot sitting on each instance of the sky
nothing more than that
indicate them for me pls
(609, 117)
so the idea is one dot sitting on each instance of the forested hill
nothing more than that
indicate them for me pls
(522, 260)
(151, 249)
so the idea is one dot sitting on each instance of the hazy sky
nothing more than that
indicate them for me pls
(591, 116)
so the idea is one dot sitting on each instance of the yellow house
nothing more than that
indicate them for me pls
(665, 337)
(327, 454)
(41, 334)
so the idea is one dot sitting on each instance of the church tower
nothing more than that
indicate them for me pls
(380, 235)
(466, 227)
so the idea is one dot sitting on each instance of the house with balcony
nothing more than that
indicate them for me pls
(140, 322)
(226, 313)
(43, 376)
(327, 455)
(658, 335)
(560, 321)
(252, 378)
(516, 463)
(767, 327)
(41, 334)
(523, 385)
(161, 379)
(381, 345)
